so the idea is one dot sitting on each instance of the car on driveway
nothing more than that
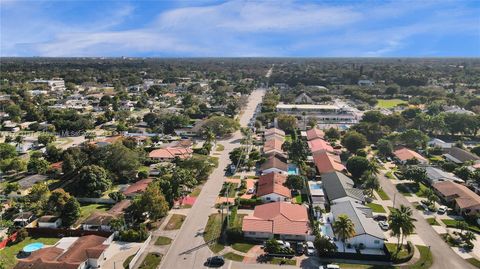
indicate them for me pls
(442, 209)
(380, 218)
(284, 244)
(383, 225)
(310, 248)
(215, 261)
(329, 266)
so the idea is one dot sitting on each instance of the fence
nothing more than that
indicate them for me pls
(139, 252)
(61, 232)
(11, 238)
(96, 200)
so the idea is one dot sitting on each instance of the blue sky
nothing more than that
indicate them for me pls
(239, 28)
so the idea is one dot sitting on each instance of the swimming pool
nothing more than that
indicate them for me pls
(33, 247)
(326, 230)
(292, 170)
(316, 186)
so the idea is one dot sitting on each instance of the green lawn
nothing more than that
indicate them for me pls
(389, 103)
(382, 194)
(229, 189)
(242, 247)
(127, 261)
(152, 260)
(196, 191)
(425, 260)
(162, 241)
(403, 190)
(389, 175)
(87, 209)
(421, 190)
(453, 224)
(376, 208)
(233, 256)
(175, 222)
(432, 222)
(299, 199)
(220, 147)
(213, 231)
(474, 262)
(397, 255)
(8, 254)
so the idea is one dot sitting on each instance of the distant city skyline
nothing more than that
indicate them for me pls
(61, 28)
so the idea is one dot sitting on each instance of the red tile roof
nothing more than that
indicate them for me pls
(273, 184)
(274, 131)
(278, 218)
(314, 134)
(138, 187)
(464, 197)
(170, 153)
(274, 162)
(273, 144)
(319, 145)
(327, 163)
(272, 177)
(405, 154)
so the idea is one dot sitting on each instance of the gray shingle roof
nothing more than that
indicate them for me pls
(360, 216)
(337, 185)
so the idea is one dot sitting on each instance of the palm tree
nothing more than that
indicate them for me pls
(431, 196)
(344, 228)
(401, 223)
(469, 236)
(370, 183)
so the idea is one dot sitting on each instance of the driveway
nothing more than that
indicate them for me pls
(444, 256)
(188, 250)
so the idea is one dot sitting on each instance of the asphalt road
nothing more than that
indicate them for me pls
(181, 253)
(443, 256)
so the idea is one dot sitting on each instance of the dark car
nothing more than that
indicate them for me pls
(380, 218)
(299, 249)
(215, 261)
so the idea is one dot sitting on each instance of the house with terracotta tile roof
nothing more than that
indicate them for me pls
(318, 145)
(69, 253)
(273, 145)
(327, 162)
(137, 187)
(404, 154)
(274, 164)
(274, 132)
(315, 133)
(170, 153)
(278, 220)
(100, 221)
(464, 200)
(270, 188)
(460, 156)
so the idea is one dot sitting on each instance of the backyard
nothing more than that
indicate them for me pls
(87, 209)
(389, 103)
(8, 254)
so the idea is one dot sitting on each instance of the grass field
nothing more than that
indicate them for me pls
(474, 262)
(213, 231)
(397, 255)
(87, 209)
(432, 221)
(453, 224)
(220, 147)
(382, 194)
(376, 208)
(389, 103)
(152, 260)
(242, 247)
(279, 260)
(162, 241)
(8, 254)
(175, 222)
(425, 260)
(233, 256)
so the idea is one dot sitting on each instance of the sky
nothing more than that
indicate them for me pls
(269, 28)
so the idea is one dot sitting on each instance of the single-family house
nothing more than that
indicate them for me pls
(100, 221)
(270, 188)
(49, 221)
(317, 195)
(170, 153)
(317, 145)
(435, 175)
(367, 232)
(338, 187)
(327, 162)
(464, 200)
(69, 253)
(23, 219)
(274, 164)
(137, 187)
(439, 144)
(459, 156)
(274, 132)
(315, 133)
(274, 144)
(404, 154)
(278, 220)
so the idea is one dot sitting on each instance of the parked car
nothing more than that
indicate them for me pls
(215, 261)
(284, 244)
(310, 248)
(251, 191)
(329, 266)
(384, 225)
(442, 209)
(380, 218)
(299, 249)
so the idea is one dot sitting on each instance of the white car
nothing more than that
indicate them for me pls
(329, 266)
(284, 244)
(442, 209)
(310, 248)
(383, 225)
(251, 191)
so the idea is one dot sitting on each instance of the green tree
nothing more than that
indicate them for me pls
(296, 182)
(415, 173)
(46, 139)
(357, 166)
(11, 187)
(56, 202)
(288, 123)
(413, 138)
(354, 141)
(221, 126)
(332, 134)
(384, 147)
(369, 182)
(71, 212)
(94, 181)
(117, 196)
(7, 151)
(272, 246)
(324, 245)
(151, 202)
(344, 228)
(401, 223)
(38, 166)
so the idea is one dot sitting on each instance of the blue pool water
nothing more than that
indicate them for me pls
(33, 247)
(292, 170)
(315, 187)
(326, 229)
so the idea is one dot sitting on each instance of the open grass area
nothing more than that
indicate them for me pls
(426, 258)
(376, 208)
(432, 221)
(233, 256)
(402, 188)
(152, 260)
(229, 189)
(87, 209)
(389, 103)
(162, 241)
(299, 199)
(127, 261)
(8, 254)
(213, 231)
(220, 147)
(175, 222)
(382, 194)
(398, 255)
(453, 224)
(242, 247)
(276, 260)
(474, 262)
(389, 175)
(196, 191)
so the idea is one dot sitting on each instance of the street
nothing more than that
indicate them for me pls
(444, 256)
(190, 234)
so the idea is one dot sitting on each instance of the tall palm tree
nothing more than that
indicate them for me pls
(431, 196)
(401, 223)
(344, 228)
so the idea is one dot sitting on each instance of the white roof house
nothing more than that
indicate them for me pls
(435, 175)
